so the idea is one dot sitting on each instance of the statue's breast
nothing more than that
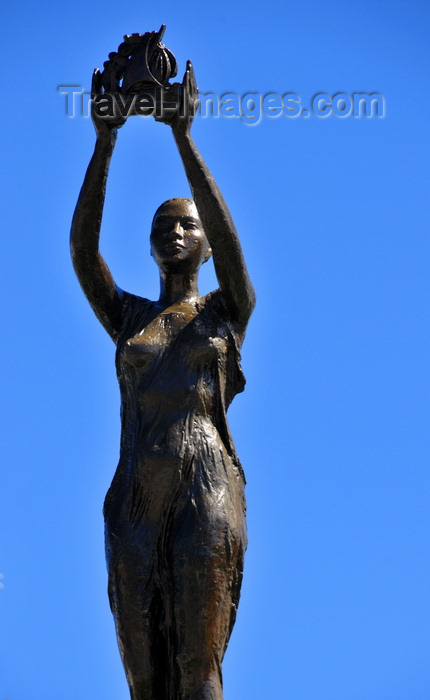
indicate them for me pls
(176, 337)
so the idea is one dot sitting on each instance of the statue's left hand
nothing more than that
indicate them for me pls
(183, 119)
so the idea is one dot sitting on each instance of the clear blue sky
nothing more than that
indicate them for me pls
(333, 428)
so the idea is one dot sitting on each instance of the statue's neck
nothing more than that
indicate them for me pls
(178, 287)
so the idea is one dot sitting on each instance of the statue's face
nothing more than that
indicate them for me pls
(178, 242)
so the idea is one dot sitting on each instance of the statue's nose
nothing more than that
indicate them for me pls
(177, 229)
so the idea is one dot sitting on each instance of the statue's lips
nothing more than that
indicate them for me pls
(173, 247)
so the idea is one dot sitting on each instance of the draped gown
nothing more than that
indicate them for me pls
(175, 512)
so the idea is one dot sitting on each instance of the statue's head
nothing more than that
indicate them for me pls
(178, 241)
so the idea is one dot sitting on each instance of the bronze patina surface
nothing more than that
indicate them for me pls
(175, 512)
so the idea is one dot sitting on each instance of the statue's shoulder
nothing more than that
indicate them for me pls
(214, 303)
(137, 312)
(133, 301)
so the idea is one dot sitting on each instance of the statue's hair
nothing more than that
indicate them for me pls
(171, 201)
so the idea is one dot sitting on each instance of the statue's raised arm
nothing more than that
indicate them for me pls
(94, 275)
(218, 225)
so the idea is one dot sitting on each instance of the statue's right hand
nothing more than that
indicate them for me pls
(104, 127)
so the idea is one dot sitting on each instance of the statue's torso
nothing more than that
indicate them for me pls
(178, 370)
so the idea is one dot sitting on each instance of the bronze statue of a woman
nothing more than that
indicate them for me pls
(175, 512)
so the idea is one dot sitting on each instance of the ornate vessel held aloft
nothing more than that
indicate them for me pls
(143, 66)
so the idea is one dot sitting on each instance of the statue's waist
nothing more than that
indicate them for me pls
(170, 433)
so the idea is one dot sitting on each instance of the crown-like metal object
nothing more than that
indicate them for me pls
(143, 66)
